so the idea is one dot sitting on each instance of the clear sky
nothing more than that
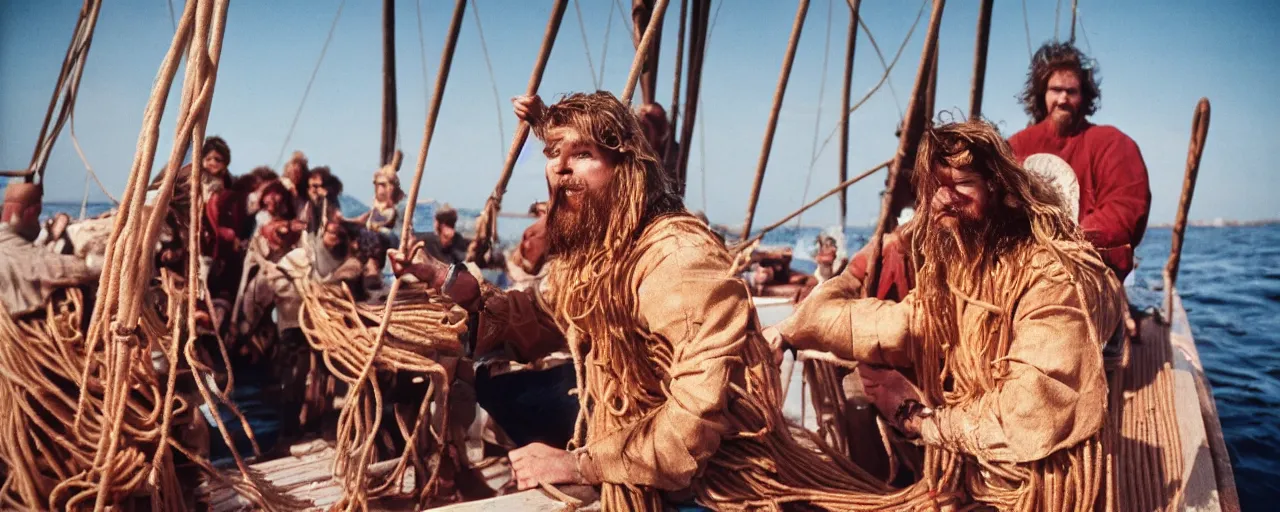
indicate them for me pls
(1157, 59)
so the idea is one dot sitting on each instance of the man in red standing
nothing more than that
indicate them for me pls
(1061, 91)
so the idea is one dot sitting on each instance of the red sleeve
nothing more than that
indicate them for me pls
(1122, 196)
(215, 210)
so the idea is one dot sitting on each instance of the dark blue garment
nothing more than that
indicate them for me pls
(531, 406)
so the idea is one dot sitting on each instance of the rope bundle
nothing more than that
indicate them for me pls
(422, 337)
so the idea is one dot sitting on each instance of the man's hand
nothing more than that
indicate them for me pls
(422, 267)
(776, 342)
(888, 389)
(529, 108)
(538, 463)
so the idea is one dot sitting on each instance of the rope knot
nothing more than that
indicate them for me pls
(123, 335)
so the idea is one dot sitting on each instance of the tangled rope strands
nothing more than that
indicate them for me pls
(120, 410)
(759, 465)
(48, 460)
(423, 338)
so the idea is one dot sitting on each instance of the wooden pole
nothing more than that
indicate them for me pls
(980, 58)
(671, 155)
(796, 27)
(648, 45)
(913, 129)
(390, 122)
(699, 20)
(645, 14)
(67, 87)
(1199, 130)
(931, 93)
(850, 46)
(486, 225)
(433, 114)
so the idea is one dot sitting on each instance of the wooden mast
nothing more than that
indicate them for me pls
(699, 20)
(850, 46)
(389, 111)
(980, 59)
(486, 224)
(796, 27)
(897, 193)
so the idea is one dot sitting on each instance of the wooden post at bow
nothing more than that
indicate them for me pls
(980, 59)
(913, 129)
(644, 14)
(772, 127)
(485, 226)
(1199, 131)
(850, 46)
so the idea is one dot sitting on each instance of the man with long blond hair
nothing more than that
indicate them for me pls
(1003, 332)
(679, 399)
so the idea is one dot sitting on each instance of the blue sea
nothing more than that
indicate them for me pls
(1230, 286)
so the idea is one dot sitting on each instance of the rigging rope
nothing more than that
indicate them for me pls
(817, 118)
(586, 45)
(484, 48)
(1057, 13)
(1026, 25)
(604, 52)
(305, 92)
(66, 87)
(422, 48)
(884, 78)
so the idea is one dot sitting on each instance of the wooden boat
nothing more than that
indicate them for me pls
(1194, 448)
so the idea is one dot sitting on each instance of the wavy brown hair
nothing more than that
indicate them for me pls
(1057, 56)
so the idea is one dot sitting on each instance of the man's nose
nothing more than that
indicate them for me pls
(561, 167)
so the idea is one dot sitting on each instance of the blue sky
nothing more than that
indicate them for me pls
(1157, 59)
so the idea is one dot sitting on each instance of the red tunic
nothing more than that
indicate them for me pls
(1115, 198)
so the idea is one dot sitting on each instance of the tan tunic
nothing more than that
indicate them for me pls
(1054, 392)
(29, 274)
(686, 297)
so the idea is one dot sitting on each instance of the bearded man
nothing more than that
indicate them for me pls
(1003, 331)
(678, 395)
(1115, 198)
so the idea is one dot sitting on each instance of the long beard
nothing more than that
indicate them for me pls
(569, 229)
(1064, 120)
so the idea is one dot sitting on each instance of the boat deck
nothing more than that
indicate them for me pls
(1165, 352)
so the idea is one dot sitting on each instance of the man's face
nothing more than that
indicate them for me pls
(576, 167)
(272, 203)
(382, 189)
(962, 200)
(315, 189)
(25, 221)
(580, 178)
(1062, 98)
(293, 171)
(332, 235)
(214, 163)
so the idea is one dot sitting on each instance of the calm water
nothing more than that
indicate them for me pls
(1230, 286)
